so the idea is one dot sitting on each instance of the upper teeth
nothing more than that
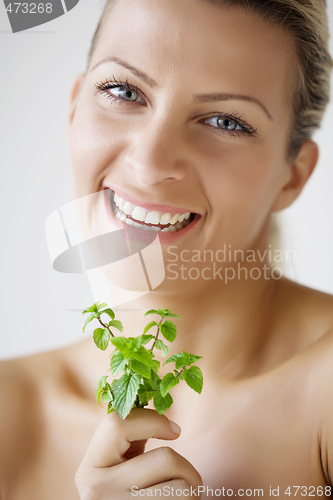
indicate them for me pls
(141, 214)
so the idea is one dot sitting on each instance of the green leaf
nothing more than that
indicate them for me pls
(142, 340)
(124, 393)
(170, 315)
(190, 358)
(102, 382)
(94, 308)
(194, 378)
(168, 330)
(101, 338)
(143, 356)
(149, 326)
(90, 318)
(182, 360)
(162, 404)
(140, 368)
(167, 383)
(174, 358)
(156, 365)
(121, 343)
(151, 311)
(118, 362)
(116, 324)
(109, 312)
(110, 407)
(152, 384)
(107, 394)
(161, 345)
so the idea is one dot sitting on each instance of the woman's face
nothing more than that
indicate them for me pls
(186, 108)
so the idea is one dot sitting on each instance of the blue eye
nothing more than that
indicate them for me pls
(224, 123)
(119, 91)
(125, 93)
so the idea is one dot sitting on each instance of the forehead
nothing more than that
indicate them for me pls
(200, 43)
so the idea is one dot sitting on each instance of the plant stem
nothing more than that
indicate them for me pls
(181, 371)
(156, 337)
(105, 326)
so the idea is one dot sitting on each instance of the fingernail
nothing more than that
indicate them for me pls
(176, 429)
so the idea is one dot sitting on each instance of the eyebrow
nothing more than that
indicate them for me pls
(134, 70)
(229, 97)
(198, 98)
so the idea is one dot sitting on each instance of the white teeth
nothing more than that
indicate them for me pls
(153, 218)
(124, 208)
(128, 208)
(174, 219)
(165, 218)
(138, 213)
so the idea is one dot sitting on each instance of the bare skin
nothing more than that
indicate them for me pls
(264, 417)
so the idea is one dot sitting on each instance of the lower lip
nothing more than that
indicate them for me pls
(142, 234)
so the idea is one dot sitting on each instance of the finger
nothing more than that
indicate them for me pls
(155, 467)
(114, 435)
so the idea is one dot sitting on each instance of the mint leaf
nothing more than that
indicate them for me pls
(101, 338)
(142, 340)
(173, 358)
(152, 384)
(160, 345)
(124, 393)
(116, 324)
(121, 343)
(182, 360)
(194, 378)
(156, 365)
(190, 358)
(118, 362)
(162, 404)
(149, 326)
(109, 312)
(141, 354)
(90, 318)
(140, 368)
(110, 408)
(107, 394)
(151, 311)
(102, 382)
(168, 330)
(167, 383)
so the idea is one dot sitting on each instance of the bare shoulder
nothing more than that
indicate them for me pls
(307, 312)
(20, 417)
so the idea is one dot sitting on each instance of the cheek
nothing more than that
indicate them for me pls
(95, 141)
(243, 181)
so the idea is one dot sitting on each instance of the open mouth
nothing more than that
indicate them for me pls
(140, 218)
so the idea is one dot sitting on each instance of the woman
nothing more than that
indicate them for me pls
(207, 108)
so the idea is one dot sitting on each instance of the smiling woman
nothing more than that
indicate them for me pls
(194, 119)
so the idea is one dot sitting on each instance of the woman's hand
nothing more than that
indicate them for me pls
(116, 467)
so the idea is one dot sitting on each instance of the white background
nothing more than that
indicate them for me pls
(40, 307)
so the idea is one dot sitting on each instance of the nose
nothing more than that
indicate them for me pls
(157, 153)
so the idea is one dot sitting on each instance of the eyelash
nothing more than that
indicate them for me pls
(111, 83)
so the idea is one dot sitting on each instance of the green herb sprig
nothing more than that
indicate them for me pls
(140, 381)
